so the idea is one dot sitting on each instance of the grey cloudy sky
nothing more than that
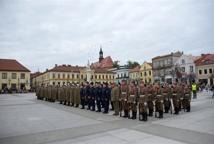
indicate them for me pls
(40, 33)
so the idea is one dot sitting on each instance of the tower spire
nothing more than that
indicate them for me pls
(101, 54)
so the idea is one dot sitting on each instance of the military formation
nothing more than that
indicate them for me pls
(126, 100)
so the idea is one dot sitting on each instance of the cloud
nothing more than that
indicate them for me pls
(41, 33)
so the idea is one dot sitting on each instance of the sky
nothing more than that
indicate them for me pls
(42, 33)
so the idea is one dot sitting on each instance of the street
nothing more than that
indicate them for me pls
(26, 120)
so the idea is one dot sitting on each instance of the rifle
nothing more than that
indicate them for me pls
(171, 106)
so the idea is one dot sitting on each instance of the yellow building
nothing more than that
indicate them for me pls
(146, 72)
(65, 74)
(13, 75)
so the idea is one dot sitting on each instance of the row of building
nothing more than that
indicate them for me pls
(170, 68)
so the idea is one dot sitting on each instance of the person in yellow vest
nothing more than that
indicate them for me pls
(194, 90)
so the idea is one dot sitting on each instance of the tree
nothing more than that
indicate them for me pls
(132, 64)
(116, 64)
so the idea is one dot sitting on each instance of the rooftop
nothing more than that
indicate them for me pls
(12, 65)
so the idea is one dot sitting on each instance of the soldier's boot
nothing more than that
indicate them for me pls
(68, 103)
(141, 116)
(160, 114)
(145, 116)
(77, 105)
(125, 113)
(64, 102)
(60, 102)
(188, 109)
(176, 111)
(166, 110)
(150, 112)
(134, 115)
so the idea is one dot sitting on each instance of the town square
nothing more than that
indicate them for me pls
(120, 71)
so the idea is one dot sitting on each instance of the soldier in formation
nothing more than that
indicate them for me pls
(127, 99)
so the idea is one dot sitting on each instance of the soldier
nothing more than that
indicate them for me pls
(53, 93)
(49, 89)
(106, 96)
(98, 97)
(166, 93)
(181, 96)
(132, 98)
(143, 102)
(76, 95)
(46, 93)
(115, 96)
(87, 93)
(187, 98)
(150, 99)
(82, 96)
(124, 97)
(72, 95)
(175, 98)
(159, 101)
(91, 97)
(38, 92)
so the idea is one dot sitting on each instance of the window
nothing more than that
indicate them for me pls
(4, 75)
(63, 75)
(53, 83)
(210, 71)
(110, 77)
(118, 75)
(92, 76)
(145, 74)
(102, 76)
(68, 76)
(183, 61)
(58, 76)
(72, 76)
(205, 71)
(81, 76)
(191, 68)
(22, 75)
(200, 72)
(77, 76)
(99, 76)
(150, 73)
(183, 69)
(53, 75)
(124, 74)
(13, 75)
(95, 76)
(106, 76)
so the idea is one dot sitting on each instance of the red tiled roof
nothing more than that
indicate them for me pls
(136, 69)
(205, 59)
(12, 65)
(105, 63)
(99, 70)
(66, 68)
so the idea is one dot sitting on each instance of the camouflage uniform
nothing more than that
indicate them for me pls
(132, 101)
(143, 103)
(115, 96)
(159, 101)
(124, 103)
(187, 99)
(150, 100)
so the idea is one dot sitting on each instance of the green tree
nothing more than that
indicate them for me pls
(132, 64)
(116, 64)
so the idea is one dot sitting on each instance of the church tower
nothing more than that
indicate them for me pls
(101, 54)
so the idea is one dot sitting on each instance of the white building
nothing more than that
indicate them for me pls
(185, 68)
(121, 73)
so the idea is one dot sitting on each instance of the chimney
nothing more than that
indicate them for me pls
(55, 65)
(46, 70)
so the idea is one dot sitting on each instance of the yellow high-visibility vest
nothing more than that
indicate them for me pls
(194, 87)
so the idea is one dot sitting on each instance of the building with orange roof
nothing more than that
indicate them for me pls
(205, 69)
(14, 75)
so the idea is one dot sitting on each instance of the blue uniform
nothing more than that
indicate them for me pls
(82, 96)
(98, 98)
(106, 97)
